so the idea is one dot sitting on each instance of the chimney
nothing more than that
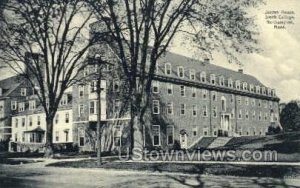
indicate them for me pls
(240, 71)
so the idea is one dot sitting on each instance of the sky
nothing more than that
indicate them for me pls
(277, 66)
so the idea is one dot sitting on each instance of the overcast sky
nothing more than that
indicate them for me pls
(278, 65)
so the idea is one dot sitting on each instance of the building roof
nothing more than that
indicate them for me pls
(8, 85)
(188, 63)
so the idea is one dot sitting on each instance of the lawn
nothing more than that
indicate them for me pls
(274, 171)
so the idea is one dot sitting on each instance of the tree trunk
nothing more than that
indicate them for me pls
(49, 138)
(136, 130)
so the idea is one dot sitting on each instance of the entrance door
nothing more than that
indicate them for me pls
(225, 125)
(183, 141)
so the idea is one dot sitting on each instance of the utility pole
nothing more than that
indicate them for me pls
(99, 159)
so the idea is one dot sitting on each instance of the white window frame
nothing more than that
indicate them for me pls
(170, 106)
(194, 92)
(170, 88)
(214, 96)
(230, 83)
(221, 81)
(168, 69)
(192, 74)
(204, 93)
(159, 139)
(80, 112)
(213, 79)
(194, 109)
(155, 103)
(172, 127)
(14, 105)
(215, 112)
(179, 71)
(81, 89)
(21, 106)
(240, 116)
(257, 89)
(32, 104)
(204, 111)
(238, 84)
(118, 136)
(23, 91)
(67, 117)
(184, 109)
(203, 77)
(182, 90)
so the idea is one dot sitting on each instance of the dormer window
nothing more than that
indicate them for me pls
(257, 89)
(251, 88)
(32, 105)
(180, 72)
(64, 100)
(203, 77)
(273, 92)
(213, 79)
(192, 74)
(238, 84)
(230, 83)
(245, 86)
(23, 91)
(168, 69)
(21, 106)
(13, 105)
(221, 81)
(263, 90)
(269, 92)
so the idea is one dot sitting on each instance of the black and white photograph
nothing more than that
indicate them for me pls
(149, 93)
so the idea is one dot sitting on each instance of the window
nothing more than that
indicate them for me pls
(237, 84)
(204, 93)
(81, 91)
(204, 111)
(232, 113)
(16, 122)
(246, 100)
(266, 116)
(247, 115)
(93, 86)
(170, 108)
(239, 100)
(30, 120)
(21, 106)
(16, 137)
(259, 103)
(253, 102)
(230, 83)
(155, 107)
(180, 72)
(251, 88)
(182, 109)
(23, 92)
(64, 100)
(81, 141)
(86, 71)
(38, 120)
(257, 89)
(270, 104)
(81, 110)
(156, 135)
(67, 118)
(194, 131)
(193, 92)
(13, 105)
(259, 117)
(155, 87)
(253, 115)
(273, 92)
(213, 79)
(203, 77)
(170, 89)
(221, 81)
(266, 104)
(214, 111)
(205, 131)
(116, 85)
(168, 69)
(117, 106)
(117, 135)
(170, 134)
(57, 118)
(214, 96)
(223, 103)
(245, 86)
(182, 91)
(263, 89)
(23, 122)
(56, 136)
(232, 98)
(240, 114)
(92, 107)
(194, 111)
(31, 105)
(192, 74)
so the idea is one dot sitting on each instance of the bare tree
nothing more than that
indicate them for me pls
(141, 31)
(46, 42)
